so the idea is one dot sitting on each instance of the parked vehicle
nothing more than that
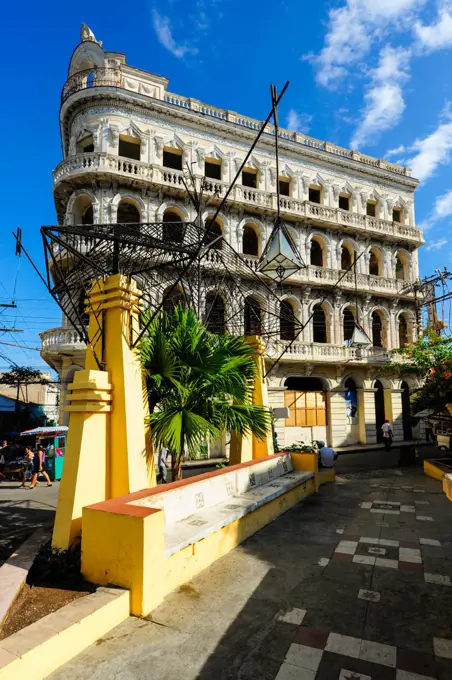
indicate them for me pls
(443, 441)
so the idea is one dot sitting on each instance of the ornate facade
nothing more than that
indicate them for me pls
(126, 140)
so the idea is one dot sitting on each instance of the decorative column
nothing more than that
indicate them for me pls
(337, 417)
(250, 447)
(394, 400)
(306, 335)
(336, 331)
(366, 415)
(393, 335)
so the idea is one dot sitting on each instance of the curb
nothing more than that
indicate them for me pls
(14, 571)
(38, 650)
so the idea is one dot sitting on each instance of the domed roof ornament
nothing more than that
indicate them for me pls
(86, 35)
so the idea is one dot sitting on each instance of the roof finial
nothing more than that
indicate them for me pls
(86, 35)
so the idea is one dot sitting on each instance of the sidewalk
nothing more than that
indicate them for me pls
(351, 583)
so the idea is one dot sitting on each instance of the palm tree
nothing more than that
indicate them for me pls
(199, 385)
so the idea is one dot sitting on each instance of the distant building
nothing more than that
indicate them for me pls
(37, 404)
(125, 140)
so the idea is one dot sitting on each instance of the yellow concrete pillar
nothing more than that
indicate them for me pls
(107, 452)
(86, 476)
(117, 297)
(250, 447)
(396, 417)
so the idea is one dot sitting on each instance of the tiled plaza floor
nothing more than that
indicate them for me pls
(352, 584)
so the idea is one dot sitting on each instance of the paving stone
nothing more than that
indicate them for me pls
(370, 595)
(430, 541)
(386, 655)
(351, 675)
(323, 562)
(363, 559)
(374, 550)
(290, 672)
(416, 662)
(411, 566)
(304, 657)
(424, 518)
(333, 664)
(343, 644)
(406, 675)
(278, 640)
(311, 637)
(389, 564)
(294, 616)
(439, 579)
(443, 647)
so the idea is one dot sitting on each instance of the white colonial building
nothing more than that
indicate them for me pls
(126, 140)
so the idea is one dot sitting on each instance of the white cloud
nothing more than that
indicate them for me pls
(436, 36)
(300, 122)
(162, 27)
(384, 102)
(433, 150)
(395, 152)
(436, 245)
(443, 206)
(352, 29)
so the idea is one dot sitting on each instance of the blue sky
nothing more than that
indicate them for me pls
(371, 74)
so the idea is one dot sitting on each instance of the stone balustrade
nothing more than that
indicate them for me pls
(312, 352)
(54, 339)
(99, 162)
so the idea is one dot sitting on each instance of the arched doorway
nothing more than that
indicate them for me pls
(406, 412)
(252, 317)
(215, 313)
(316, 253)
(250, 241)
(307, 403)
(379, 409)
(128, 213)
(346, 258)
(172, 230)
(377, 330)
(351, 412)
(348, 325)
(214, 234)
(286, 321)
(319, 333)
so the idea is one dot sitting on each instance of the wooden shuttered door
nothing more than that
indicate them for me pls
(305, 408)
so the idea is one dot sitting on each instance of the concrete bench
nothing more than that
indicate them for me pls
(196, 510)
(154, 540)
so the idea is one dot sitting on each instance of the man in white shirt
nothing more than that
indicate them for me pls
(162, 464)
(387, 434)
(327, 455)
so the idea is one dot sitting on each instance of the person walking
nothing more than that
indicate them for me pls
(4, 444)
(38, 467)
(163, 465)
(429, 431)
(387, 434)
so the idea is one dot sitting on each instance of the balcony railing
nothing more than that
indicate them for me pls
(99, 162)
(117, 77)
(93, 77)
(311, 351)
(56, 340)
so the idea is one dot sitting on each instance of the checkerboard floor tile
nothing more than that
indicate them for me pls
(430, 542)
(439, 579)
(443, 647)
(295, 616)
(327, 656)
(370, 595)
(424, 518)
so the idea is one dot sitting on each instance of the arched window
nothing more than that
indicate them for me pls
(319, 325)
(374, 262)
(346, 258)
(250, 241)
(348, 324)
(252, 314)
(215, 313)
(87, 217)
(403, 331)
(286, 321)
(128, 212)
(401, 267)
(85, 144)
(82, 210)
(316, 253)
(215, 231)
(172, 227)
(377, 330)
